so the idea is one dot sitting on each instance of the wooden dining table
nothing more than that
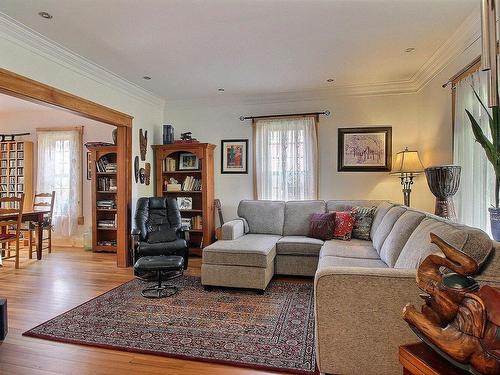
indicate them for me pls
(35, 217)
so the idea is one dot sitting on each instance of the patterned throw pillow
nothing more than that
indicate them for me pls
(344, 222)
(321, 226)
(363, 219)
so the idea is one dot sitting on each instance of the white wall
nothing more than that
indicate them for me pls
(213, 120)
(36, 116)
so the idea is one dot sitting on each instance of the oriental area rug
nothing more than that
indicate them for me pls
(273, 331)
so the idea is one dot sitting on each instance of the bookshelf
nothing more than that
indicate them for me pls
(194, 190)
(16, 170)
(105, 195)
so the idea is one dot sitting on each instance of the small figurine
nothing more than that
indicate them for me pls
(187, 136)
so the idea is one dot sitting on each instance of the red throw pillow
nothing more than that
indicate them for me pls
(321, 226)
(344, 222)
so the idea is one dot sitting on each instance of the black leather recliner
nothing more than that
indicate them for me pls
(157, 229)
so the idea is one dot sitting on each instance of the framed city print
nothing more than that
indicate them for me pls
(188, 161)
(367, 149)
(234, 156)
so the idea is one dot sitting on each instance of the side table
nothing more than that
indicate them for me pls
(419, 359)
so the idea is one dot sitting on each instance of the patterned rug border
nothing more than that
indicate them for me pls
(28, 333)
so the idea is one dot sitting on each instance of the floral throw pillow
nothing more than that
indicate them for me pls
(321, 226)
(363, 219)
(344, 222)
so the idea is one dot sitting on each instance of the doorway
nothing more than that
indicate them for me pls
(24, 88)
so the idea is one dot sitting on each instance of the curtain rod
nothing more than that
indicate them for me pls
(326, 113)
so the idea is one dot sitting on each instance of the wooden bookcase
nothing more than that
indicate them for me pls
(106, 220)
(16, 170)
(200, 191)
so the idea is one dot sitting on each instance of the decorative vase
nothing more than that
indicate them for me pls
(168, 134)
(495, 222)
(443, 181)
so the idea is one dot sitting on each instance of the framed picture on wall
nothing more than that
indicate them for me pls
(89, 167)
(234, 156)
(367, 149)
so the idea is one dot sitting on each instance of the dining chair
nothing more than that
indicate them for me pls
(42, 202)
(11, 212)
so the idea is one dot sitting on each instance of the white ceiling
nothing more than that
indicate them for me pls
(190, 48)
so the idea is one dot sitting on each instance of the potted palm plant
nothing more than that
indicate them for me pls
(492, 150)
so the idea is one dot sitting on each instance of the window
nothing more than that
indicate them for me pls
(285, 158)
(477, 182)
(59, 169)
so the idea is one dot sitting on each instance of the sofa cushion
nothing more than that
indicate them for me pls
(252, 250)
(354, 248)
(332, 261)
(380, 212)
(397, 238)
(263, 217)
(297, 215)
(471, 241)
(344, 222)
(321, 226)
(386, 225)
(298, 245)
(363, 219)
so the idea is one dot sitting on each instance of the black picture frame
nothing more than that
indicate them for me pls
(224, 167)
(345, 133)
(89, 167)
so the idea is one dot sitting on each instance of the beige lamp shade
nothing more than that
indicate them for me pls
(407, 162)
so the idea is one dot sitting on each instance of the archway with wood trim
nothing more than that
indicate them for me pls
(31, 90)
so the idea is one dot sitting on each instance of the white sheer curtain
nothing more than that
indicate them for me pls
(59, 170)
(286, 158)
(477, 181)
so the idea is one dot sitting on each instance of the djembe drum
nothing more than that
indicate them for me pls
(444, 181)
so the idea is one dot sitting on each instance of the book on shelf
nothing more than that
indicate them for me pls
(169, 165)
(191, 184)
(106, 243)
(104, 165)
(107, 223)
(197, 222)
(174, 187)
(106, 184)
(106, 204)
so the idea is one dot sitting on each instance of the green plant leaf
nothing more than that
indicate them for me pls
(483, 140)
(482, 104)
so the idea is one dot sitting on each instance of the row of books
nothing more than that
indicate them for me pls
(107, 243)
(108, 223)
(191, 184)
(106, 184)
(194, 222)
(104, 165)
(169, 165)
(4, 146)
(106, 204)
(3, 187)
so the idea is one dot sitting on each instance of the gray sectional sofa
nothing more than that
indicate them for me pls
(360, 286)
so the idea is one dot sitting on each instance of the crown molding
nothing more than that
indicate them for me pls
(19, 34)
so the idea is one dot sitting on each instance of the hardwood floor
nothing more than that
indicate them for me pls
(40, 290)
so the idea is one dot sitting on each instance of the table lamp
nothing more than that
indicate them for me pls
(407, 166)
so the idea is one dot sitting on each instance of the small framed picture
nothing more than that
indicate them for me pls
(188, 161)
(234, 156)
(366, 149)
(89, 167)
(185, 203)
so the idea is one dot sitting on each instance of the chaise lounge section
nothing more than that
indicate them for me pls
(360, 286)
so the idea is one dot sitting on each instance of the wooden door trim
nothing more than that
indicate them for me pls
(25, 88)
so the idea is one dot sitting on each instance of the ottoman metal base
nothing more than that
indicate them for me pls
(159, 290)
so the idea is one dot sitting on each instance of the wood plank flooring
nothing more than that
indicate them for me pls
(40, 290)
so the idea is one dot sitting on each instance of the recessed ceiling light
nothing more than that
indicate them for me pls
(45, 15)
(221, 89)
(330, 80)
(409, 50)
(147, 78)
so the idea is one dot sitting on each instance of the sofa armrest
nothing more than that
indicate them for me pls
(358, 315)
(233, 229)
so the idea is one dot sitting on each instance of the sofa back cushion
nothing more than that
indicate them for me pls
(345, 205)
(380, 212)
(263, 217)
(385, 226)
(298, 215)
(471, 241)
(399, 235)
